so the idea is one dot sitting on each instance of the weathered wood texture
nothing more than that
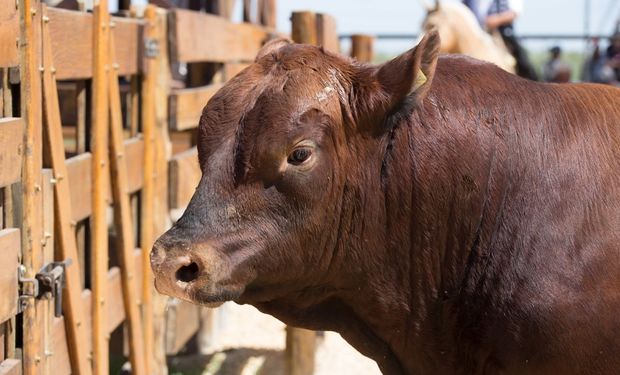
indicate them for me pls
(186, 106)
(362, 47)
(184, 177)
(9, 33)
(72, 42)
(11, 135)
(234, 42)
(10, 247)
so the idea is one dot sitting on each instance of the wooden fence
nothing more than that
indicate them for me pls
(97, 158)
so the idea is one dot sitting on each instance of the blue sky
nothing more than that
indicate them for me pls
(404, 16)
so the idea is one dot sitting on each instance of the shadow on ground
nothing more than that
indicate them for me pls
(238, 361)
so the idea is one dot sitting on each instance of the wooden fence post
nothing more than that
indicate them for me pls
(301, 343)
(268, 13)
(362, 47)
(327, 34)
(304, 28)
(30, 79)
(99, 223)
(147, 207)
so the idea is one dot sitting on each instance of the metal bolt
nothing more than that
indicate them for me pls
(33, 11)
(73, 224)
(46, 19)
(112, 24)
(37, 188)
(37, 359)
(41, 69)
(119, 155)
(49, 353)
(53, 70)
(116, 66)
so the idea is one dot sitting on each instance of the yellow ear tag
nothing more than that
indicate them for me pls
(420, 80)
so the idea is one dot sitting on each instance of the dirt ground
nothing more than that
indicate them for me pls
(247, 342)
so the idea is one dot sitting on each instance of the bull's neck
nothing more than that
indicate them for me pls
(426, 219)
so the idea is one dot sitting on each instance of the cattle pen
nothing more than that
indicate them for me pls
(98, 118)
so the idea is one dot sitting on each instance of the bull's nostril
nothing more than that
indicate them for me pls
(188, 273)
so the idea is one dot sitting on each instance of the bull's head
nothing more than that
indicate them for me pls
(288, 148)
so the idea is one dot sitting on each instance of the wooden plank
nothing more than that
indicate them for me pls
(182, 322)
(362, 47)
(98, 219)
(60, 360)
(149, 86)
(72, 307)
(184, 177)
(72, 42)
(327, 34)
(186, 106)
(234, 42)
(160, 221)
(11, 136)
(80, 98)
(9, 33)
(11, 367)
(134, 157)
(10, 246)
(78, 173)
(30, 79)
(124, 222)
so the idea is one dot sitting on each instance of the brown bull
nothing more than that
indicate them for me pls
(444, 216)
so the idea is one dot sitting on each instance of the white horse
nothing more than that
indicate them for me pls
(461, 33)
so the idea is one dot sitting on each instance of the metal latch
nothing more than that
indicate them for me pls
(151, 48)
(46, 284)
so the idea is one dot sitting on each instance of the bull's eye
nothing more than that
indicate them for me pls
(299, 156)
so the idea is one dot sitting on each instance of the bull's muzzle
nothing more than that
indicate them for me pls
(174, 273)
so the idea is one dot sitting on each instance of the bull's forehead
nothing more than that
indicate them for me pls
(279, 93)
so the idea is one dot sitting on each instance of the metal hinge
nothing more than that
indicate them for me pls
(46, 284)
(151, 48)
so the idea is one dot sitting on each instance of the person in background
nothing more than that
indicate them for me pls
(500, 15)
(555, 70)
(613, 54)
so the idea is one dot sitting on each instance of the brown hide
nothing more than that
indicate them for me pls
(463, 224)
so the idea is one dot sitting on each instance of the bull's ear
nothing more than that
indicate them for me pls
(410, 74)
(272, 46)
